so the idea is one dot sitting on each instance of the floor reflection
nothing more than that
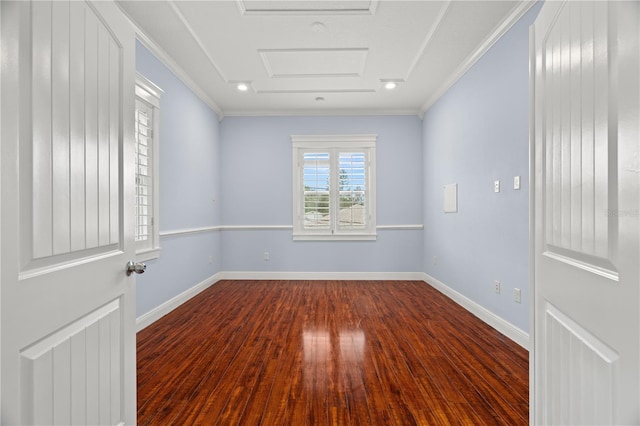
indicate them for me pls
(327, 357)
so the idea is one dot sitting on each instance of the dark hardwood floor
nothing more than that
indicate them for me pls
(328, 353)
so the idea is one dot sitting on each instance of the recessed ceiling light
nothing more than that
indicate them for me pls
(243, 87)
(391, 83)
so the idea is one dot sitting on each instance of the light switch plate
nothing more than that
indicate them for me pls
(451, 198)
(516, 182)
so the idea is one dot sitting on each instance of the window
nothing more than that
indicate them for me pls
(334, 187)
(147, 113)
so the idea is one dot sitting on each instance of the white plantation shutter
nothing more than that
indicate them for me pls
(334, 187)
(147, 119)
(144, 172)
(316, 189)
(353, 186)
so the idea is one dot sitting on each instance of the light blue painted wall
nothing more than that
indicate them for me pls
(257, 190)
(477, 133)
(189, 182)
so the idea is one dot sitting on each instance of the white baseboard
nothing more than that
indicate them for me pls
(372, 276)
(158, 312)
(503, 326)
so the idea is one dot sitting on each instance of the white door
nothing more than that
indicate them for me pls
(587, 214)
(67, 306)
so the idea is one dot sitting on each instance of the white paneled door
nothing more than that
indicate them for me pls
(586, 352)
(67, 305)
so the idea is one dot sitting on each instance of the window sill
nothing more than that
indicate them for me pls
(334, 237)
(144, 255)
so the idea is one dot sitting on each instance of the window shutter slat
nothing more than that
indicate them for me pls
(144, 171)
(353, 190)
(316, 190)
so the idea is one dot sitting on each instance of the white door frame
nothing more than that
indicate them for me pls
(532, 223)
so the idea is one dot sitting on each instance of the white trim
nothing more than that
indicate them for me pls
(400, 227)
(2, 55)
(144, 255)
(334, 141)
(503, 326)
(158, 312)
(147, 91)
(321, 112)
(533, 400)
(189, 231)
(255, 227)
(150, 87)
(321, 276)
(173, 66)
(334, 237)
(497, 33)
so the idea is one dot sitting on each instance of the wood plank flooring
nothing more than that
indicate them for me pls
(328, 353)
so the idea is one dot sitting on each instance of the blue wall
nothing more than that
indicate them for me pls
(189, 182)
(257, 190)
(476, 133)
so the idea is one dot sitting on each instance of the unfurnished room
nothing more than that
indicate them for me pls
(319, 212)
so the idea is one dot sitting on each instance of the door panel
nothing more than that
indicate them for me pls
(580, 378)
(92, 112)
(587, 214)
(580, 152)
(68, 308)
(73, 375)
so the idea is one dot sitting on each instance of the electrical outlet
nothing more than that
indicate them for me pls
(496, 286)
(517, 295)
(496, 186)
(266, 256)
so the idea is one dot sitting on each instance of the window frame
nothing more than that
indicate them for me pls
(148, 92)
(334, 145)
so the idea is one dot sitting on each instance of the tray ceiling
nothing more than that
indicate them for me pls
(321, 57)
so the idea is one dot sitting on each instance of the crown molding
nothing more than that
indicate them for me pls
(517, 13)
(173, 66)
(319, 113)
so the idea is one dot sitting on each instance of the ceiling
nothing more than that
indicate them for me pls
(321, 56)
